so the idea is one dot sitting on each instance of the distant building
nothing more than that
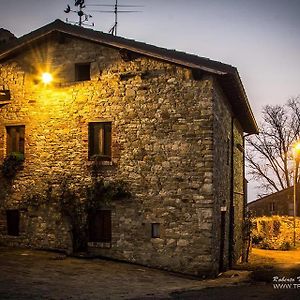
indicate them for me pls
(280, 203)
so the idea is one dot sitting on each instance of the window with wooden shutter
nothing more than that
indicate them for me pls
(15, 139)
(100, 226)
(13, 221)
(100, 140)
(82, 72)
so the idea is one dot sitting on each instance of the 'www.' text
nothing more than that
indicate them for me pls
(279, 286)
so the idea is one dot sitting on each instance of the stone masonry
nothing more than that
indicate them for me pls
(173, 137)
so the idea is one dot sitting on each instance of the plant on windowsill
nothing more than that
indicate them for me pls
(12, 164)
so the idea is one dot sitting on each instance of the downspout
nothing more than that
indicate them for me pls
(231, 203)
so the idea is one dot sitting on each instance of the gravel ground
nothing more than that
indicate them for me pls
(30, 274)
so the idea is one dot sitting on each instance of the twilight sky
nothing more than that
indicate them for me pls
(260, 37)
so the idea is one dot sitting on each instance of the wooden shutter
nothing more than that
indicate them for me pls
(100, 140)
(13, 221)
(9, 140)
(15, 139)
(107, 139)
(100, 226)
(21, 139)
(82, 72)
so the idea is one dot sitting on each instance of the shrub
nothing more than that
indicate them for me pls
(275, 233)
(12, 164)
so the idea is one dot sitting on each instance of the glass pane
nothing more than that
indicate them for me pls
(155, 230)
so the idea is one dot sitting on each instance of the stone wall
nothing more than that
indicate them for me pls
(162, 149)
(221, 174)
(228, 165)
(239, 196)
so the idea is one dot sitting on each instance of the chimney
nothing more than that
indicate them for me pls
(5, 37)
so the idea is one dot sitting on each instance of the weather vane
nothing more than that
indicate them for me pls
(83, 17)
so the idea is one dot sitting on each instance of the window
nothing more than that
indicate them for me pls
(100, 226)
(100, 140)
(13, 221)
(15, 139)
(4, 95)
(155, 230)
(272, 206)
(82, 72)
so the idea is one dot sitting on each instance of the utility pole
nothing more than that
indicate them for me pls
(116, 17)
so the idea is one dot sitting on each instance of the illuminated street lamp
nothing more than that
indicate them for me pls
(296, 155)
(47, 78)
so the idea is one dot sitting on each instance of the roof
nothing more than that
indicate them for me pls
(274, 195)
(227, 75)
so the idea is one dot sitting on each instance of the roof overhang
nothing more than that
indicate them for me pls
(227, 75)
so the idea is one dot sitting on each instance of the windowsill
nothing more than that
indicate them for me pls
(82, 80)
(12, 237)
(20, 158)
(5, 102)
(70, 83)
(99, 245)
(101, 159)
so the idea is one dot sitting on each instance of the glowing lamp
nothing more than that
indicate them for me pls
(296, 151)
(47, 78)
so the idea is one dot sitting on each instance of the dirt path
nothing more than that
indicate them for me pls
(265, 266)
(261, 257)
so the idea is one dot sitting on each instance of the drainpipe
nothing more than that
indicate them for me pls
(231, 203)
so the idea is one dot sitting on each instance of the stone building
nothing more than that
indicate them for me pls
(280, 203)
(132, 152)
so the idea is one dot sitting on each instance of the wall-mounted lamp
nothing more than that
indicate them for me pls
(47, 78)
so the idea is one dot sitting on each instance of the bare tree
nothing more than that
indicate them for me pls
(269, 159)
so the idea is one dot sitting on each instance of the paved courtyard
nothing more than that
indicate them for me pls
(33, 275)
(29, 274)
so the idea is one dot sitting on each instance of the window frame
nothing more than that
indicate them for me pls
(80, 73)
(155, 230)
(272, 206)
(94, 152)
(15, 142)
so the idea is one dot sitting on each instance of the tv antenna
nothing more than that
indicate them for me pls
(83, 17)
(115, 9)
